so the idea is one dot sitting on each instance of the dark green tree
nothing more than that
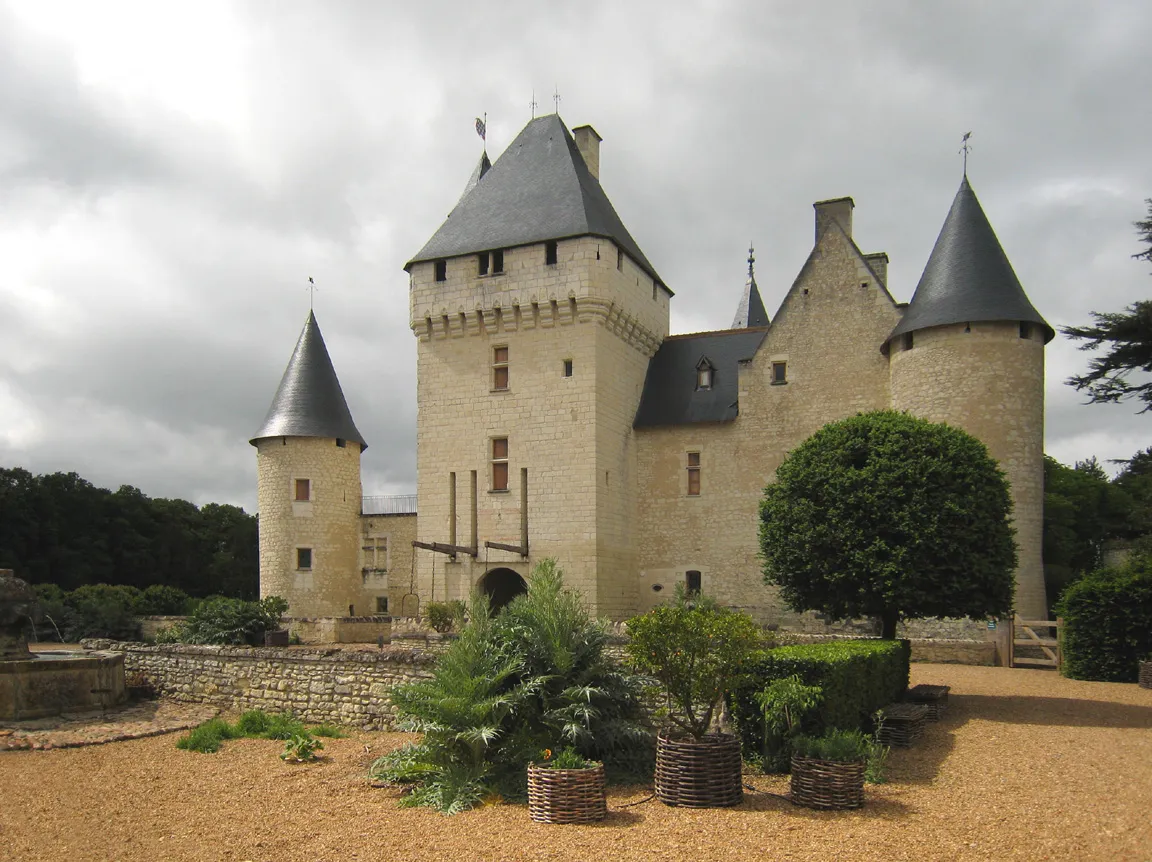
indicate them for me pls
(886, 515)
(1127, 336)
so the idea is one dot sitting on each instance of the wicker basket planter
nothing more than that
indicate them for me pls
(1145, 679)
(902, 724)
(699, 773)
(827, 783)
(566, 795)
(935, 697)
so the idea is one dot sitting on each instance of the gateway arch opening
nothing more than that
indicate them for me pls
(502, 586)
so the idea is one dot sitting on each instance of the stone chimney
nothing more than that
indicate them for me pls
(879, 263)
(838, 210)
(588, 142)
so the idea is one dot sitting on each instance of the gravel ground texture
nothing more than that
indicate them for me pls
(1024, 765)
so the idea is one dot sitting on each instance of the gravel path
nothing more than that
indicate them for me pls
(1024, 765)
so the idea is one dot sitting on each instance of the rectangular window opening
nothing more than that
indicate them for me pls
(704, 377)
(340, 442)
(909, 340)
(550, 253)
(692, 583)
(303, 558)
(441, 270)
(693, 474)
(779, 373)
(381, 604)
(1025, 329)
(620, 259)
(500, 464)
(567, 367)
(497, 261)
(482, 263)
(303, 490)
(500, 368)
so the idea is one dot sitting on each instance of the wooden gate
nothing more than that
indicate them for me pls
(1024, 635)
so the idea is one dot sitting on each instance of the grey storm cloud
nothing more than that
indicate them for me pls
(157, 258)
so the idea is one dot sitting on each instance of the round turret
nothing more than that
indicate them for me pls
(969, 351)
(308, 474)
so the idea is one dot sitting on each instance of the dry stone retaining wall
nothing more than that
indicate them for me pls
(348, 687)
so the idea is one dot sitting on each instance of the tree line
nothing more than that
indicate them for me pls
(60, 529)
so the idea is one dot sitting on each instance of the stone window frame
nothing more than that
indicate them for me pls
(500, 369)
(440, 269)
(568, 368)
(381, 604)
(490, 263)
(692, 471)
(300, 551)
(498, 463)
(779, 372)
(693, 585)
(372, 545)
(297, 485)
(551, 253)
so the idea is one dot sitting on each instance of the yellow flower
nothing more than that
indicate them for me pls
(547, 753)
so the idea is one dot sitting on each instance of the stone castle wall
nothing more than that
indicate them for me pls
(348, 687)
(328, 524)
(389, 573)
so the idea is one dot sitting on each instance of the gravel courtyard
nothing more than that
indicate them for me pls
(1025, 765)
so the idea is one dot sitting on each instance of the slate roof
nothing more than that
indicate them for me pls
(968, 276)
(750, 312)
(309, 402)
(670, 396)
(539, 189)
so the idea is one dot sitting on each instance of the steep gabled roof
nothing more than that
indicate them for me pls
(309, 402)
(482, 167)
(539, 189)
(670, 396)
(968, 276)
(750, 312)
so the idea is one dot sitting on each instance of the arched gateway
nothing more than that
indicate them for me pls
(501, 586)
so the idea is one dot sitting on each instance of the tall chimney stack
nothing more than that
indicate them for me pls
(838, 210)
(879, 263)
(588, 143)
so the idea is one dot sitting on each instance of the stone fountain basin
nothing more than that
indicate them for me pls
(56, 681)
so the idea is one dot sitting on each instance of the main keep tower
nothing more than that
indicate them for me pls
(308, 474)
(969, 351)
(535, 313)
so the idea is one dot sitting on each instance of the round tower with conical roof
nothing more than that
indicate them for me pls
(969, 351)
(308, 473)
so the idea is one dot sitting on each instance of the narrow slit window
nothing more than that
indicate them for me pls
(620, 259)
(500, 368)
(693, 474)
(303, 490)
(497, 261)
(779, 373)
(1025, 330)
(482, 263)
(441, 270)
(909, 339)
(500, 464)
(550, 253)
(304, 558)
(567, 367)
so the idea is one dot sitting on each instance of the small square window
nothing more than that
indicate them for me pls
(500, 464)
(340, 442)
(381, 604)
(499, 367)
(779, 373)
(303, 490)
(567, 367)
(550, 256)
(693, 474)
(303, 558)
(441, 270)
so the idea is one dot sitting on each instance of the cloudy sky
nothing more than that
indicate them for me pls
(172, 173)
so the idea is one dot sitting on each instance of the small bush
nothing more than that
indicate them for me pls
(220, 620)
(283, 726)
(568, 758)
(206, 737)
(253, 723)
(856, 677)
(839, 745)
(445, 616)
(1108, 622)
(301, 747)
(163, 600)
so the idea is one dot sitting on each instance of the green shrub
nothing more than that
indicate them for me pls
(785, 704)
(301, 747)
(839, 745)
(328, 731)
(856, 678)
(163, 600)
(1107, 627)
(698, 651)
(283, 726)
(568, 758)
(206, 737)
(254, 722)
(220, 620)
(445, 616)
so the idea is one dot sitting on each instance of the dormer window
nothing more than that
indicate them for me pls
(704, 374)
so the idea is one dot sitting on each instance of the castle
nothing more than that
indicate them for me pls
(557, 417)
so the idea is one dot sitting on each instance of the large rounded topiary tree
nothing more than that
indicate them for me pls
(890, 516)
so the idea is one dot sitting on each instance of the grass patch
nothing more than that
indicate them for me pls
(206, 737)
(255, 723)
(328, 731)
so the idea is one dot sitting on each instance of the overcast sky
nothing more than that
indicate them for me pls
(172, 173)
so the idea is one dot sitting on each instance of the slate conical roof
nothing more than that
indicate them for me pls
(968, 276)
(539, 189)
(750, 312)
(310, 402)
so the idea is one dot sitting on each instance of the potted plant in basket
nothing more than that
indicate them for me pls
(566, 788)
(697, 651)
(828, 771)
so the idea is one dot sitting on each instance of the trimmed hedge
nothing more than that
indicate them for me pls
(858, 677)
(1108, 622)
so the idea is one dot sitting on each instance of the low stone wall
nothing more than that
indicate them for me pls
(341, 630)
(348, 687)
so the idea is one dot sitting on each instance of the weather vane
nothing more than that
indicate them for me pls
(482, 130)
(556, 98)
(965, 148)
(311, 292)
(533, 104)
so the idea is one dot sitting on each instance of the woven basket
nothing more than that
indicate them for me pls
(566, 795)
(1145, 680)
(935, 697)
(827, 783)
(699, 773)
(902, 724)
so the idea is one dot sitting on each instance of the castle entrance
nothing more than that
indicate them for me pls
(502, 586)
